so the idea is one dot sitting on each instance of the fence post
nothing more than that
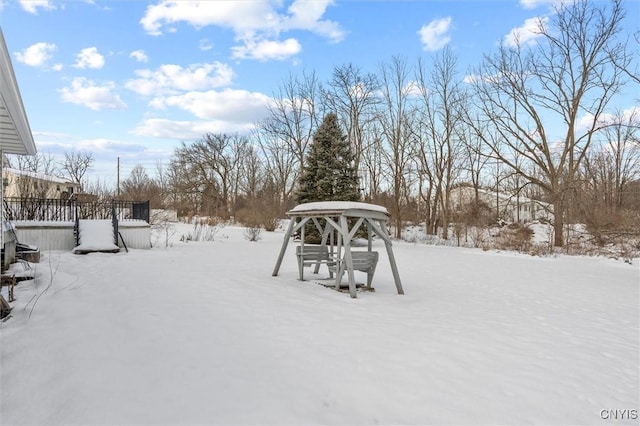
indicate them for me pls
(140, 210)
(114, 221)
(77, 222)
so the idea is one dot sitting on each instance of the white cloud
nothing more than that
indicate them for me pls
(92, 95)
(533, 4)
(242, 16)
(171, 79)
(413, 88)
(89, 58)
(471, 78)
(584, 122)
(205, 45)
(267, 49)
(629, 116)
(111, 145)
(32, 6)
(239, 106)
(139, 56)
(61, 143)
(527, 33)
(36, 55)
(251, 21)
(307, 15)
(434, 35)
(181, 130)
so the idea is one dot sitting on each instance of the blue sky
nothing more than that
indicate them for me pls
(132, 79)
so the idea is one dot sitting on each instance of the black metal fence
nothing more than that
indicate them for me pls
(56, 210)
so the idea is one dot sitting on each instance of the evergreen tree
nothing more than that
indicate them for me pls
(329, 173)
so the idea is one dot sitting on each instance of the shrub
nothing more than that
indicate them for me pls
(514, 237)
(252, 233)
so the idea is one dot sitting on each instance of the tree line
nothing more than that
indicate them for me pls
(531, 120)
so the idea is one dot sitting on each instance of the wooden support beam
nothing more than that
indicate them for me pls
(283, 249)
(392, 259)
(344, 229)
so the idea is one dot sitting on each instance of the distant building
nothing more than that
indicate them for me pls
(23, 184)
(510, 207)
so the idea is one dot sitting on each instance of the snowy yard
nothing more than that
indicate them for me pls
(201, 333)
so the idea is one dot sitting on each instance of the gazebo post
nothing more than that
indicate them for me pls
(392, 259)
(301, 264)
(323, 241)
(344, 230)
(394, 268)
(287, 235)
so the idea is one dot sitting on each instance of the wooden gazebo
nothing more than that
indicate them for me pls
(332, 219)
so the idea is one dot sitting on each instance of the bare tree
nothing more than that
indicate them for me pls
(532, 97)
(139, 186)
(204, 173)
(186, 193)
(281, 167)
(351, 94)
(40, 163)
(251, 174)
(441, 119)
(395, 116)
(624, 63)
(76, 165)
(371, 161)
(293, 114)
(611, 170)
(163, 182)
(622, 147)
(100, 189)
(37, 170)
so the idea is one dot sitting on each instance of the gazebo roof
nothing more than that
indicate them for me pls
(340, 208)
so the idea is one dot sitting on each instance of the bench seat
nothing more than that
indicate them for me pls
(309, 255)
(363, 261)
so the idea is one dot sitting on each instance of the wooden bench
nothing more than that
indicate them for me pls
(363, 261)
(313, 255)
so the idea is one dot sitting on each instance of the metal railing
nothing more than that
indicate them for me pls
(57, 210)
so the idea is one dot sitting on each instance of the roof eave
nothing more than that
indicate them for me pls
(15, 132)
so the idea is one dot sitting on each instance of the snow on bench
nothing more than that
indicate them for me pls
(96, 236)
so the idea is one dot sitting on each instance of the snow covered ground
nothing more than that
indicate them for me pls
(201, 333)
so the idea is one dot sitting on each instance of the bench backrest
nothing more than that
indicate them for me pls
(313, 252)
(364, 260)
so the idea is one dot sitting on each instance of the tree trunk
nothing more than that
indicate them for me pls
(558, 223)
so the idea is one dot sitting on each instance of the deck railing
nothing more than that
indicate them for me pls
(70, 210)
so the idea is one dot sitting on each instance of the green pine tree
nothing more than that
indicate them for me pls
(329, 173)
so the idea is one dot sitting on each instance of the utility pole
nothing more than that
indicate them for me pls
(118, 178)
